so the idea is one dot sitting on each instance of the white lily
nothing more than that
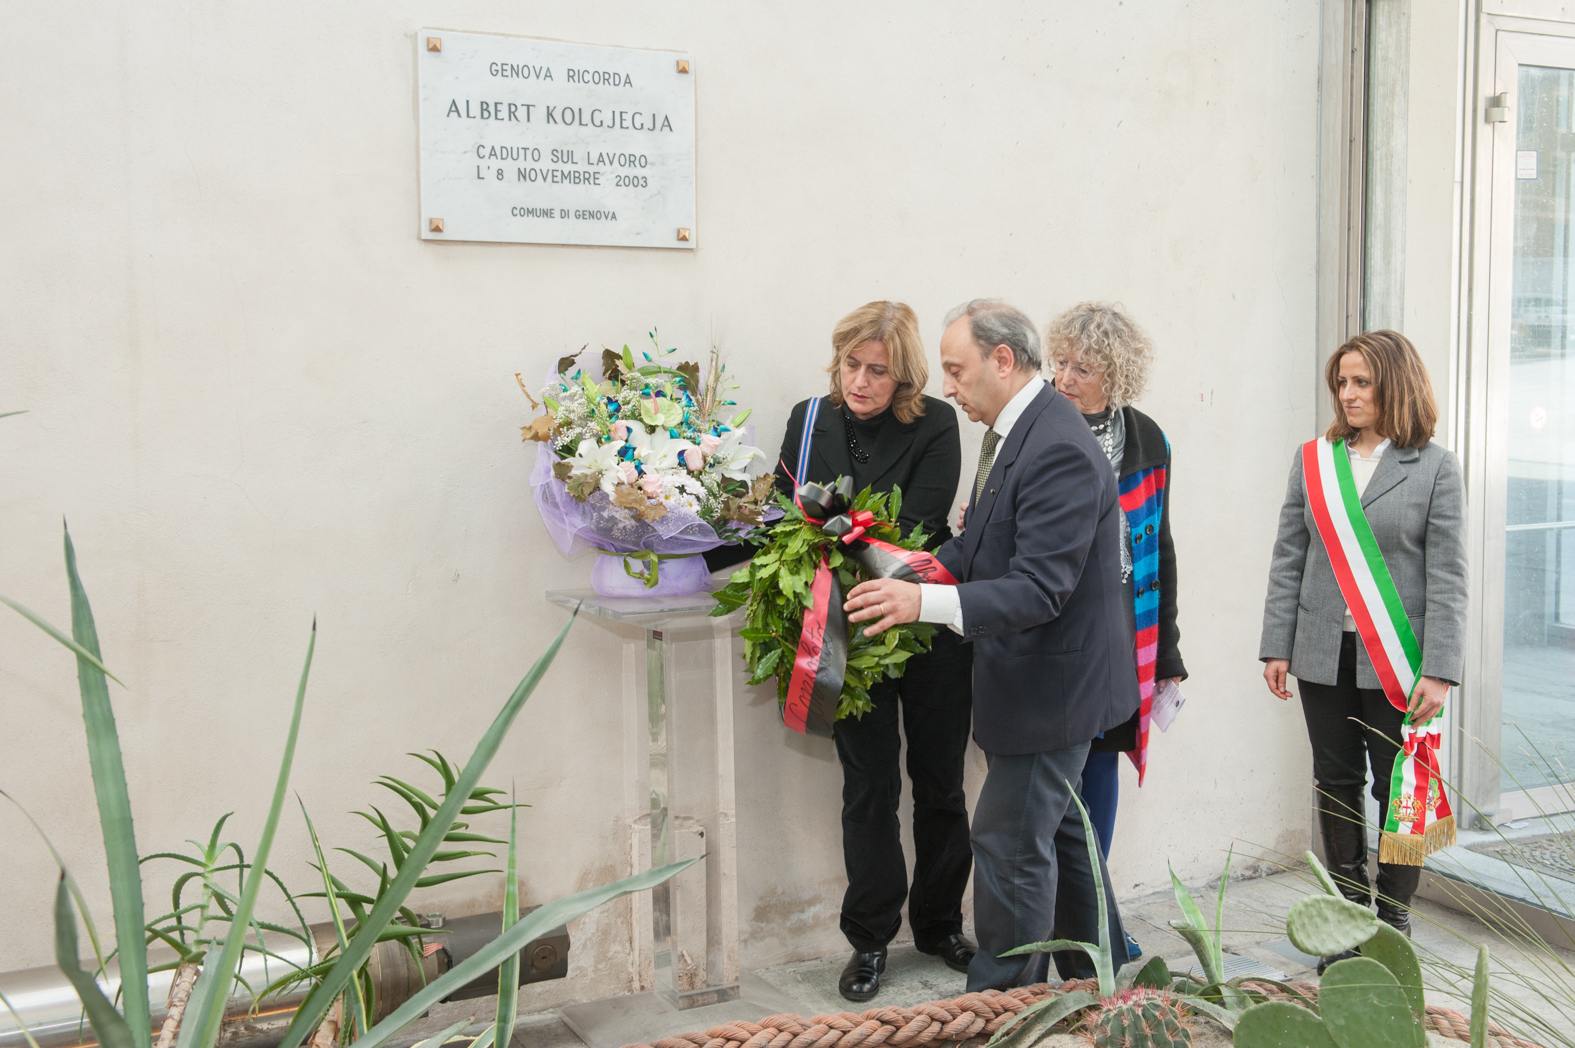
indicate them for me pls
(657, 449)
(735, 458)
(599, 460)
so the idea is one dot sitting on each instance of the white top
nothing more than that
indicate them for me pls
(1362, 470)
(941, 603)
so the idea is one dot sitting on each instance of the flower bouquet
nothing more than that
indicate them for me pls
(642, 466)
(828, 540)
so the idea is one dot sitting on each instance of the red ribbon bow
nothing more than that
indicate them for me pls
(862, 519)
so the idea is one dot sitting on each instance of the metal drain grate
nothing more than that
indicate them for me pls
(1551, 852)
(1238, 965)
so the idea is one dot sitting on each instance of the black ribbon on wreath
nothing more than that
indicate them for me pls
(820, 666)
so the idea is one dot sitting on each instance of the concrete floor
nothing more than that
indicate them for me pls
(1254, 940)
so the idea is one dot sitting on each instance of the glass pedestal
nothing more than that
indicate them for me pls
(677, 741)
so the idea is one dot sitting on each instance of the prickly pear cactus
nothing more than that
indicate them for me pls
(1325, 926)
(1138, 1018)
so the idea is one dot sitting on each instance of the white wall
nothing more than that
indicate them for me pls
(257, 396)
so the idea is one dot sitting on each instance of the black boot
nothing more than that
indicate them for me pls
(861, 978)
(1396, 885)
(1342, 821)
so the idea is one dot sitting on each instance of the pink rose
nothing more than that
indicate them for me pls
(709, 443)
(651, 485)
(620, 431)
(694, 459)
(626, 473)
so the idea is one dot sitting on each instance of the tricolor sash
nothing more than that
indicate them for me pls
(1419, 820)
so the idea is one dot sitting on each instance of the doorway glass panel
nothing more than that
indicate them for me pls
(1538, 742)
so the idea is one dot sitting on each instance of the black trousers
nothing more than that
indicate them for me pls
(1344, 752)
(934, 702)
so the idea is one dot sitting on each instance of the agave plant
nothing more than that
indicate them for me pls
(129, 1025)
(350, 907)
(1134, 1006)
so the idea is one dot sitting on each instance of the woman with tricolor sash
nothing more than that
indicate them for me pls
(1100, 360)
(1366, 608)
(879, 429)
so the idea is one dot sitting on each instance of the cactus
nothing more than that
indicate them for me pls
(1281, 1025)
(1394, 951)
(1138, 1018)
(1323, 926)
(1362, 1006)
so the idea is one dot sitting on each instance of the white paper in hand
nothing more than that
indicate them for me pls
(1168, 701)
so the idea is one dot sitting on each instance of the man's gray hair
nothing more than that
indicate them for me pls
(993, 323)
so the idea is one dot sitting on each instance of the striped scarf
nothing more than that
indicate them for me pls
(1142, 496)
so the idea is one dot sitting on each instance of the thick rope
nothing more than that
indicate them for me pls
(972, 1017)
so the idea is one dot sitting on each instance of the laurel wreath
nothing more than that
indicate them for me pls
(774, 591)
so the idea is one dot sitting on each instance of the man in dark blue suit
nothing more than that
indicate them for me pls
(1041, 598)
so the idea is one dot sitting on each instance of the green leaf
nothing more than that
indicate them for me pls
(8, 414)
(409, 796)
(316, 1005)
(1277, 1024)
(71, 884)
(1154, 975)
(461, 837)
(114, 804)
(433, 879)
(80, 651)
(206, 1010)
(1479, 1000)
(1024, 1027)
(358, 1006)
(1364, 1007)
(1323, 925)
(15, 1017)
(1324, 880)
(542, 919)
(396, 845)
(509, 971)
(1104, 967)
(1217, 950)
(112, 1030)
(440, 764)
(1394, 951)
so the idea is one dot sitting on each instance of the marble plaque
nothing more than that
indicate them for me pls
(541, 142)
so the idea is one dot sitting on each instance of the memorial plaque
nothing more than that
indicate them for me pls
(543, 142)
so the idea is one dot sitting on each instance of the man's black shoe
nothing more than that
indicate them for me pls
(955, 950)
(861, 978)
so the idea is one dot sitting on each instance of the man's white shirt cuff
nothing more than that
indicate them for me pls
(941, 605)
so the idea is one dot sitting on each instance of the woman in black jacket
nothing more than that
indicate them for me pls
(877, 427)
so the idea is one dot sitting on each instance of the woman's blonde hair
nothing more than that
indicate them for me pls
(1104, 338)
(1407, 411)
(895, 326)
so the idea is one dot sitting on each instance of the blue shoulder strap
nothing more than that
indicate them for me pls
(811, 412)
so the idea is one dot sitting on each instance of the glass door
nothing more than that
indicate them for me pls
(1529, 436)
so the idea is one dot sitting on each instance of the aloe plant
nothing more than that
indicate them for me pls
(129, 1026)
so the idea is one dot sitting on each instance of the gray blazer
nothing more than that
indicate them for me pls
(1415, 504)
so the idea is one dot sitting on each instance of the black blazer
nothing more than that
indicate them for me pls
(1041, 591)
(922, 457)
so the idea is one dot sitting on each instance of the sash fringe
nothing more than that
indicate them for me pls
(1410, 849)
